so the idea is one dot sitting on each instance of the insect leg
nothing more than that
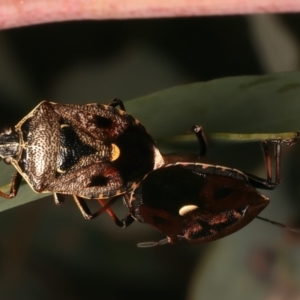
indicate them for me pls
(14, 187)
(117, 102)
(120, 223)
(58, 198)
(88, 215)
(200, 136)
(86, 212)
(172, 158)
(270, 147)
(277, 153)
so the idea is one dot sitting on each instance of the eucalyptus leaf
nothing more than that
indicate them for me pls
(245, 104)
(242, 108)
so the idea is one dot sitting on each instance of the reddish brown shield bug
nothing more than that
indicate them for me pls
(88, 151)
(196, 202)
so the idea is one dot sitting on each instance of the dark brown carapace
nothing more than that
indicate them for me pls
(193, 202)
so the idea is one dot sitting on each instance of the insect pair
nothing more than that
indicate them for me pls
(100, 152)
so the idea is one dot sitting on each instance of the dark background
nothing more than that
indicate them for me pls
(51, 252)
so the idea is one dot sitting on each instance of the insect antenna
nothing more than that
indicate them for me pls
(291, 229)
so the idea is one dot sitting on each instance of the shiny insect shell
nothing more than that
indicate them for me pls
(195, 202)
(88, 151)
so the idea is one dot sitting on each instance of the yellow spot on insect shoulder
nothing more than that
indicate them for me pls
(115, 152)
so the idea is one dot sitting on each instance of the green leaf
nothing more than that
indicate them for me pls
(246, 104)
(237, 108)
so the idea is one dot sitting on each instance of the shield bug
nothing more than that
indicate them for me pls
(196, 202)
(91, 151)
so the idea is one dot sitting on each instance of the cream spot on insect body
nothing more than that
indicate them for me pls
(115, 152)
(187, 209)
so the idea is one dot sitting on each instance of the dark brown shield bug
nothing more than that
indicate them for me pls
(196, 202)
(91, 151)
